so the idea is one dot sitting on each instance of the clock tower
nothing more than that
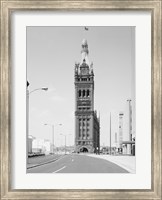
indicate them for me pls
(87, 126)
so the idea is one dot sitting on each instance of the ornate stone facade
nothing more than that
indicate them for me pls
(87, 125)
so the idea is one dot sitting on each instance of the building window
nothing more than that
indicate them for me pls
(88, 93)
(80, 93)
(83, 93)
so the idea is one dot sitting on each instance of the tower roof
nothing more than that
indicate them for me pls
(84, 42)
(80, 67)
(84, 52)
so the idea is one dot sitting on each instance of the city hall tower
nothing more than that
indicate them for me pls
(87, 125)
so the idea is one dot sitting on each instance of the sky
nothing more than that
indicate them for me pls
(51, 56)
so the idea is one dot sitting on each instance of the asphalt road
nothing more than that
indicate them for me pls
(77, 163)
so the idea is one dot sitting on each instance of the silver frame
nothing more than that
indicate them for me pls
(7, 7)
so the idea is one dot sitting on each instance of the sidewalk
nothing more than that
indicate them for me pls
(41, 160)
(126, 162)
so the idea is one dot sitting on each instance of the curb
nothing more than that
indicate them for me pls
(132, 171)
(44, 163)
(123, 166)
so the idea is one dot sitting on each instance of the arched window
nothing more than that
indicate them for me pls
(88, 93)
(80, 93)
(83, 93)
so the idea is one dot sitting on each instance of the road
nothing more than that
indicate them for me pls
(77, 163)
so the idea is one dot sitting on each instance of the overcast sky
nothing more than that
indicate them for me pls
(51, 56)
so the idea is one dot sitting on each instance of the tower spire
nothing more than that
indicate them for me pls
(85, 52)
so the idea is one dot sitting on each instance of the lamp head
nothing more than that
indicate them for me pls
(44, 88)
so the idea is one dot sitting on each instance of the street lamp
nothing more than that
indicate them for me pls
(43, 88)
(27, 110)
(65, 141)
(52, 125)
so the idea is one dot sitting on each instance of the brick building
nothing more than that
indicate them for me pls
(87, 124)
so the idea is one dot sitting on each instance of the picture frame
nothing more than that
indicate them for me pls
(7, 7)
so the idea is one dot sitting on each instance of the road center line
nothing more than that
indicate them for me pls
(59, 169)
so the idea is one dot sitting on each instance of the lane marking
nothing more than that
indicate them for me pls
(72, 160)
(59, 169)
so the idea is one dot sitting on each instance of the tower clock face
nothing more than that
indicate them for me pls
(84, 71)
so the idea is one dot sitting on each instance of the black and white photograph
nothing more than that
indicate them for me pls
(80, 100)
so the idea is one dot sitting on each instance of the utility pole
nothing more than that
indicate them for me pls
(52, 138)
(110, 133)
(130, 127)
(65, 143)
(130, 133)
(52, 125)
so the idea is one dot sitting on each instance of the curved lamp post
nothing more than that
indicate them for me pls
(43, 88)
(27, 110)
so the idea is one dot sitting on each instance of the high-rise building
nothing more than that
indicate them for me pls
(87, 124)
(121, 114)
(127, 128)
